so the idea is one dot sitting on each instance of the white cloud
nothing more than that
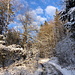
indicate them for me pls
(34, 23)
(41, 19)
(33, 14)
(19, 28)
(39, 10)
(50, 10)
(37, 17)
(20, 17)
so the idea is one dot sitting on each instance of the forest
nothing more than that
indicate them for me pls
(37, 37)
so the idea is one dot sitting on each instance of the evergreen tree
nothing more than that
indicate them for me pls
(69, 14)
(45, 23)
(60, 32)
(46, 40)
(65, 49)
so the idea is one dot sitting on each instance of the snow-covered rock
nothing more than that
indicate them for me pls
(10, 54)
(2, 42)
(1, 37)
(17, 70)
(14, 46)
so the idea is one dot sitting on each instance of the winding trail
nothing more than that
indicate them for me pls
(62, 70)
(48, 67)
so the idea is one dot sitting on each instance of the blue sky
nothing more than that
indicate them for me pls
(44, 8)
(41, 10)
(42, 3)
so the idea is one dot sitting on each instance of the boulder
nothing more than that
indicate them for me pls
(2, 42)
(1, 37)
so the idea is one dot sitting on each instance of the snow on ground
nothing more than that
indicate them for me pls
(47, 62)
(44, 60)
(64, 71)
(54, 62)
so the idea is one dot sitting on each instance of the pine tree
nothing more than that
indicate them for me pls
(45, 23)
(69, 14)
(60, 32)
(65, 48)
(46, 40)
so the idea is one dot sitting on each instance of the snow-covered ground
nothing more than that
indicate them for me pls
(45, 67)
(64, 71)
(54, 62)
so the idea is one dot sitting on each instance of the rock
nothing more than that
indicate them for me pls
(16, 70)
(2, 42)
(14, 46)
(2, 46)
(9, 54)
(1, 37)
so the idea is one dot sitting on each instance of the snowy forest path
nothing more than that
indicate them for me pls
(51, 67)
(62, 70)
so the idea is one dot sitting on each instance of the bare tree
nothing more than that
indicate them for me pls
(5, 14)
